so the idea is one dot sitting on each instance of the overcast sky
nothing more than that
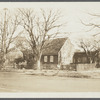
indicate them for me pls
(72, 13)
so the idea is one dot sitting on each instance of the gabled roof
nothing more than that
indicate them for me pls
(53, 46)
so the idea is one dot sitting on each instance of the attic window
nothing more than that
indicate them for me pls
(51, 58)
(45, 59)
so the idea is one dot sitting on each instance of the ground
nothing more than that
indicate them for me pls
(20, 82)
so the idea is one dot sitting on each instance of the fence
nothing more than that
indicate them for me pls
(70, 67)
(84, 67)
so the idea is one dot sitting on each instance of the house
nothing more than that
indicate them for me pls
(81, 57)
(62, 52)
(82, 62)
(58, 51)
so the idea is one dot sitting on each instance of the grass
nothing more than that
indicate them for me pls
(61, 73)
(74, 75)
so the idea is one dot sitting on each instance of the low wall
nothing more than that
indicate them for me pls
(49, 66)
(84, 67)
(70, 67)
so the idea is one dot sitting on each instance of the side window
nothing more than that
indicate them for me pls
(45, 58)
(51, 59)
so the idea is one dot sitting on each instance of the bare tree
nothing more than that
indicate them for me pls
(8, 27)
(90, 48)
(93, 24)
(41, 28)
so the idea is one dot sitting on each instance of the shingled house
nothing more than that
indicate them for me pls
(57, 52)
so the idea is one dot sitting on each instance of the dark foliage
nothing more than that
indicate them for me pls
(28, 57)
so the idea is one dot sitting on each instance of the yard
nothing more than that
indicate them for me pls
(20, 82)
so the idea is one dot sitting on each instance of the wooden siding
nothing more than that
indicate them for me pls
(81, 58)
(48, 64)
(55, 59)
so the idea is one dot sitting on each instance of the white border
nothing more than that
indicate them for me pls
(43, 94)
(52, 95)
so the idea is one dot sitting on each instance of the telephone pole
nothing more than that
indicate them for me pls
(4, 36)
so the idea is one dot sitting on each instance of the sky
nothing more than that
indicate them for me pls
(72, 13)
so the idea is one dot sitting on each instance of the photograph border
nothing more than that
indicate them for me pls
(60, 96)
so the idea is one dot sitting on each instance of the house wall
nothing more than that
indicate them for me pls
(48, 64)
(80, 59)
(65, 55)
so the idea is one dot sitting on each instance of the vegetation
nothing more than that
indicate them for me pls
(40, 28)
(27, 61)
(91, 45)
(8, 26)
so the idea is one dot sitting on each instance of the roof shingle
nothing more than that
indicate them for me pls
(52, 47)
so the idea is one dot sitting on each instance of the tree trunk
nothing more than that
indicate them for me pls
(5, 64)
(39, 64)
(91, 61)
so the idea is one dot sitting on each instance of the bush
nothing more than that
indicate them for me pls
(73, 75)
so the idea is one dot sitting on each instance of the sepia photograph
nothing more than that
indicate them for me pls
(48, 47)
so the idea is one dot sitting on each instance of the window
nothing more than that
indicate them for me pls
(45, 59)
(79, 60)
(84, 59)
(51, 58)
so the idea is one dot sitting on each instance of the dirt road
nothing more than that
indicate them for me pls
(19, 82)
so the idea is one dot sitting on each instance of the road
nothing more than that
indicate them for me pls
(19, 82)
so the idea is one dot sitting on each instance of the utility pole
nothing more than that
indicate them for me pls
(4, 37)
